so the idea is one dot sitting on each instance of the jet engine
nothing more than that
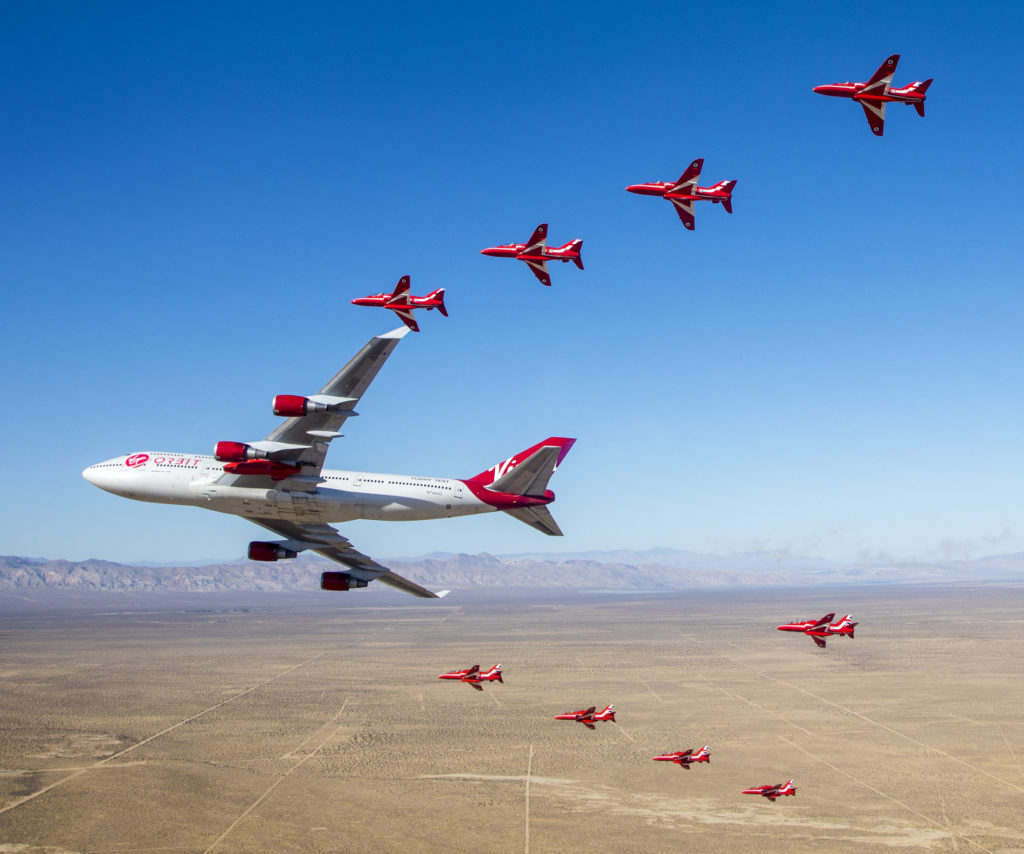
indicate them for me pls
(268, 468)
(340, 581)
(295, 406)
(270, 552)
(236, 452)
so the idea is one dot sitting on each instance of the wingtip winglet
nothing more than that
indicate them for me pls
(401, 332)
(440, 594)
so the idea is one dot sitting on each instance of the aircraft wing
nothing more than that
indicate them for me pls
(326, 541)
(688, 180)
(401, 290)
(473, 671)
(880, 80)
(316, 430)
(405, 315)
(684, 207)
(822, 623)
(875, 114)
(819, 641)
(540, 270)
(537, 241)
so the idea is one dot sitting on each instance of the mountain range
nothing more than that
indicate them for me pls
(652, 570)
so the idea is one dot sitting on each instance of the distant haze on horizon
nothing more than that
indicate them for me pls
(194, 194)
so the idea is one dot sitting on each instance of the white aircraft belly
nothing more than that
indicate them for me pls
(331, 505)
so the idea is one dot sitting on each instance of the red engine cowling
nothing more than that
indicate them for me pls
(269, 468)
(236, 452)
(290, 405)
(270, 552)
(295, 406)
(340, 581)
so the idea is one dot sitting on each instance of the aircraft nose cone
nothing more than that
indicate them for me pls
(819, 89)
(103, 475)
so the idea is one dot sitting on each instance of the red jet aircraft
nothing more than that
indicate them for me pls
(818, 630)
(536, 253)
(772, 792)
(683, 758)
(684, 192)
(474, 677)
(588, 717)
(402, 304)
(876, 93)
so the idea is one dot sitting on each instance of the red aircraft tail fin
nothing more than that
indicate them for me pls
(920, 89)
(501, 470)
(439, 296)
(728, 186)
(577, 246)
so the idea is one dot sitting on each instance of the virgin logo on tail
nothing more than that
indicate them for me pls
(502, 469)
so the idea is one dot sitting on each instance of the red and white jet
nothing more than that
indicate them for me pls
(588, 717)
(474, 677)
(280, 482)
(684, 192)
(402, 304)
(684, 758)
(536, 253)
(818, 630)
(779, 790)
(877, 92)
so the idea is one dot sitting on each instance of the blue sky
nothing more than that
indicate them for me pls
(194, 192)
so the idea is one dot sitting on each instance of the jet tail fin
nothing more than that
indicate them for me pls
(577, 245)
(439, 296)
(528, 472)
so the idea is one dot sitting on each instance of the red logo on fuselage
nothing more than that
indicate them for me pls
(136, 460)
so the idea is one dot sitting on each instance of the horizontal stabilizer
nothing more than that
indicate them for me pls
(538, 517)
(531, 476)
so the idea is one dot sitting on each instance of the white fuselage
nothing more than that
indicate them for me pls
(338, 496)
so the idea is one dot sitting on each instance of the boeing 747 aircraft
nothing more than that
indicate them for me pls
(280, 482)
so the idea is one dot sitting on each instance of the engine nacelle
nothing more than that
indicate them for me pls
(291, 405)
(295, 406)
(236, 452)
(268, 468)
(340, 581)
(270, 552)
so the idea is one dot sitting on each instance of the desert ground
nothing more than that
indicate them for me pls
(315, 722)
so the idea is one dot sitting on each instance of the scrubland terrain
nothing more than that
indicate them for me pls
(314, 723)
